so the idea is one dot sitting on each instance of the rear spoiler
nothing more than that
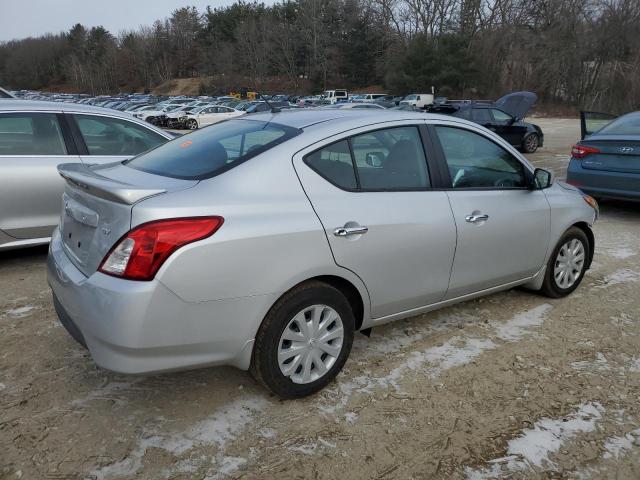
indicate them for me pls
(83, 177)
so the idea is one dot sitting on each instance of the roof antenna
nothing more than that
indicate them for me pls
(273, 109)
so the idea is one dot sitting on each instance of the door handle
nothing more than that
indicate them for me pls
(476, 217)
(346, 231)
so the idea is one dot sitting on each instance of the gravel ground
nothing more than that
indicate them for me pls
(510, 386)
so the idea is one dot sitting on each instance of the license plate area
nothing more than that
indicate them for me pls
(79, 224)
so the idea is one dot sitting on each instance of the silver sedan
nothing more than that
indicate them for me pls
(37, 136)
(265, 242)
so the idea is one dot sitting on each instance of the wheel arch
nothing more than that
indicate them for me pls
(584, 226)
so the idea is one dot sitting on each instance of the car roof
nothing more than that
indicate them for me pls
(307, 117)
(44, 106)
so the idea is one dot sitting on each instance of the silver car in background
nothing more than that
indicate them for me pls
(37, 136)
(265, 242)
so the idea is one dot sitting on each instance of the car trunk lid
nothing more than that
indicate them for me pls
(517, 104)
(97, 204)
(615, 155)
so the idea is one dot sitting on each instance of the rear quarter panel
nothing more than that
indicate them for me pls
(270, 241)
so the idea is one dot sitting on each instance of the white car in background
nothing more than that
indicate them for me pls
(156, 115)
(204, 116)
(419, 100)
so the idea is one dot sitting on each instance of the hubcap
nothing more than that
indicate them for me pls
(569, 263)
(532, 142)
(310, 344)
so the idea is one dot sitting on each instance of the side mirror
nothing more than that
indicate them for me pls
(374, 159)
(541, 179)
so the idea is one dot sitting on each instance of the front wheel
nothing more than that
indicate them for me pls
(304, 341)
(567, 265)
(530, 143)
(192, 124)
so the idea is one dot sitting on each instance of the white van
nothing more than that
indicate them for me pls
(335, 96)
(420, 100)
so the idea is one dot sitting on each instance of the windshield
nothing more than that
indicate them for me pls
(212, 150)
(625, 125)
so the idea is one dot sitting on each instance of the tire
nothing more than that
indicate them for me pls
(553, 286)
(299, 305)
(192, 124)
(530, 143)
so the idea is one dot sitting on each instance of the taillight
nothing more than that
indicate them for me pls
(581, 151)
(141, 252)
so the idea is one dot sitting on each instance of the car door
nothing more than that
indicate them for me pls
(32, 144)
(104, 139)
(503, 226)
(373, 193)
(208, 116)
(591, 122)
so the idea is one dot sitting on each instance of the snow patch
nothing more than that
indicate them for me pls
(534, 446)
(222, 427)
(19, 312)
(519, 326)
(310, 448)
(618, 277)
(621, 253)
(617, 446)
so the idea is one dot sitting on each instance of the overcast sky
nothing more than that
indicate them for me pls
(24, 18)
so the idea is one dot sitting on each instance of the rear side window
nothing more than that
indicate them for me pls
(627, 125)
(481, 115)
(391, 159)
(31, 134)
(334, 163)
(213, 150)
(113, 136)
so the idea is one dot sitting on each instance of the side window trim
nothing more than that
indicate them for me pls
(72, 148)
(75, 133)
(358, 188)
(442, 161)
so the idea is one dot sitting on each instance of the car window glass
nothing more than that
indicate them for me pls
(334, 163)
(480, 115)
(113, 136)
(213, 150)
(31, 134)
(627, 125)
(390, 159)
(476, 162)
(500, 116)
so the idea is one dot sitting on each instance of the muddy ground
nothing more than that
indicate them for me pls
(510, 386)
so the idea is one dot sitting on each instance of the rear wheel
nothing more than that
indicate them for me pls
(304, 341)
(530, 143)
(567, 265)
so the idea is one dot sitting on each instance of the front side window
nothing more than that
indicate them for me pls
(476, 162)
(31, 134)
(214, 150)
(115, 137)
(389, 159)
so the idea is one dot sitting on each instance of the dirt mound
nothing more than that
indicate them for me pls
(180, 86)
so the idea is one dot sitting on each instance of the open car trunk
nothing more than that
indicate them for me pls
(97, 204)
(517, 104)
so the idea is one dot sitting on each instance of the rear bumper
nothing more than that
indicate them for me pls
(600, 183)
(143, 327)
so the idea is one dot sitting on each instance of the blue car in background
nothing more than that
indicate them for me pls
(606, 162)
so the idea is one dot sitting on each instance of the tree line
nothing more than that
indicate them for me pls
(582, 53)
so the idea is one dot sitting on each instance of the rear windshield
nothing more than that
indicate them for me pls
(626, 125)
(212, 150)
